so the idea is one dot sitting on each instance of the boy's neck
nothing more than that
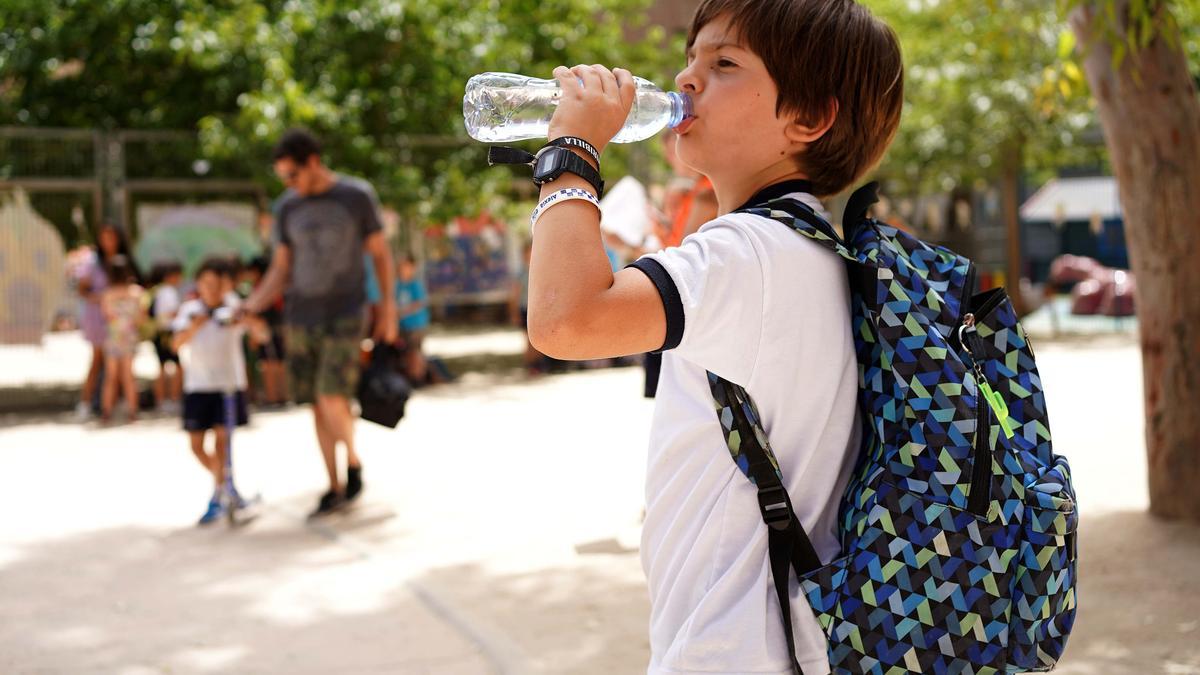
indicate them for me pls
(733, 191)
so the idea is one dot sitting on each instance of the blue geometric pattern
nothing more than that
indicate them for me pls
(958, 526)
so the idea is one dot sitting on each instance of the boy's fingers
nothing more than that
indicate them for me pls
(625, 85)
(567, 80)
(607, 79)
(591, 80)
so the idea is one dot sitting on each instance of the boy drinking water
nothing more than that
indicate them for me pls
(793, 99)
(208, 337)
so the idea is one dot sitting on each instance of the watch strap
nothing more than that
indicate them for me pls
(499, 154)
(575, 164)
(577, 142)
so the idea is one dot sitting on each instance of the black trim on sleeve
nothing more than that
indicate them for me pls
(672, 305)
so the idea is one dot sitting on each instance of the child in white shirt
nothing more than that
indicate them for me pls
(208, 337)
(792, 98)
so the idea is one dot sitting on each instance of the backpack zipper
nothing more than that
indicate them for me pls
(981, 464)
(988, 305)
(964, 301)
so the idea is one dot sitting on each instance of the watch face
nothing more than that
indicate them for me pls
(547, 162)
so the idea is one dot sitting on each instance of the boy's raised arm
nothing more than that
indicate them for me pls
(578, 309)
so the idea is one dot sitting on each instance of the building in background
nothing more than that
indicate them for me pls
(1076, 215)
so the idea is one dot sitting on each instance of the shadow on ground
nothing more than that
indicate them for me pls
(1139, 599)
(288, 599)
(589, 617)
(282, 600)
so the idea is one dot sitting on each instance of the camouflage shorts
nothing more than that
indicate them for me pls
(324, 360)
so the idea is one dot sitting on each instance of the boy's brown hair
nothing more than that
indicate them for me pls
(819, 51)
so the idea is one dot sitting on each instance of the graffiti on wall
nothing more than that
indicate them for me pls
(468, 257)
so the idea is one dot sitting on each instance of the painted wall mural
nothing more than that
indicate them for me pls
(32, 271)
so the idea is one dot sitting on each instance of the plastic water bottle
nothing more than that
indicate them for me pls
(502, 107)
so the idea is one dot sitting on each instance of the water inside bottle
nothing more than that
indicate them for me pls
(501, 114)
(501, 107)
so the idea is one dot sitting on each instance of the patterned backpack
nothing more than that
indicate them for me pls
(958, 525)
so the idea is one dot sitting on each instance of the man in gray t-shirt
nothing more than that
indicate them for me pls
(326, 234)
(324, 223)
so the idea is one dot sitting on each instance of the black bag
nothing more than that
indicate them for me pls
(382, 390)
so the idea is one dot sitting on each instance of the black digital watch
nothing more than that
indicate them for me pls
(552, 162)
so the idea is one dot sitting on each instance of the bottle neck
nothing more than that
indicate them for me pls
(681, 108)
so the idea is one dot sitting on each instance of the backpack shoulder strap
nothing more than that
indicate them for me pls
(857, 206)
(804, 220)
(789, 546)
(787, 543)
(862, 260)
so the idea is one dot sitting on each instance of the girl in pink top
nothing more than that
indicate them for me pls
(123, 310)
(92, 282)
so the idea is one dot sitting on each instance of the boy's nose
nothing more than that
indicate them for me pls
(686, 80)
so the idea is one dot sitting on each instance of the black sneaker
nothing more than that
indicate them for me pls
(354, 484)
(330, 502)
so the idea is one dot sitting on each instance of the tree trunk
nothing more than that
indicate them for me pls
(1151, 118)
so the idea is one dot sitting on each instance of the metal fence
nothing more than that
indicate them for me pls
(78, 178)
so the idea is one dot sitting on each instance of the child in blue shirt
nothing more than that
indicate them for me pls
(412, 302)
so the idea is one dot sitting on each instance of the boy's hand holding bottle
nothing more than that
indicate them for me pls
(594, 106)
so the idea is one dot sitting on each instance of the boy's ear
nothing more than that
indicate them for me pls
(800, 131)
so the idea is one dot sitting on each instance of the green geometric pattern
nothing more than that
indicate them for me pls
(958, 526)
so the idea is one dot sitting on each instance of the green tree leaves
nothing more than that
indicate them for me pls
(380, 80)
(981, 76)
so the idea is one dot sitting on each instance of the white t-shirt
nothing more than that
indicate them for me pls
(766, 308)
(212, 360)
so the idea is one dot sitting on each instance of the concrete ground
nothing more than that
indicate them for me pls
(498, 533)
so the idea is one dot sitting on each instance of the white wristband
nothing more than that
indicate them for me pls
(559, 197)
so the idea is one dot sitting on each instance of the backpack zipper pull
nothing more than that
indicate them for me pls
(996, 401)
(993, 397)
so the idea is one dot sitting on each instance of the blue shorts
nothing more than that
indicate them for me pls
(204, 410)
